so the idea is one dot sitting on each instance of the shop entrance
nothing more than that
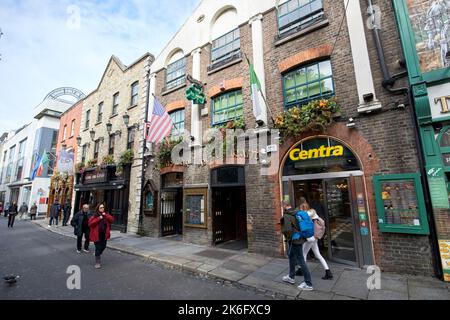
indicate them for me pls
(327, 175)
(172, 204)
(229, 207)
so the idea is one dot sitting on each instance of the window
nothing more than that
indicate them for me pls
(178, 123)
(294, 14)
(115, 107)
(12, 150)
(100, 112)
(175, 73)
(131, 136)
(226, 107)
(83, 154)
(88, 115)
(308, 83)
(96, 148)
(112, 143)
(134, 94)
(72, 128)
(226, 47)
(19, 169)
(65, 132)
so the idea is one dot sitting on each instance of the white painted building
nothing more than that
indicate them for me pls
(21, 149)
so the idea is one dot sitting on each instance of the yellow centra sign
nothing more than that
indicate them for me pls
(322, 152)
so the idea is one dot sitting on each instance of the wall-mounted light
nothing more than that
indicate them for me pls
(109, 127)
(79, 140)
(351, 123)
(92, 133)
(126, 119)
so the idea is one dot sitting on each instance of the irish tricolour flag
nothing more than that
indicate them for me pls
(257, 96)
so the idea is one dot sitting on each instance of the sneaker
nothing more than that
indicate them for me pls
(78, 251)
(49, 226)
(288, 279)
(87, 251)
(98, 266)
(305, 287)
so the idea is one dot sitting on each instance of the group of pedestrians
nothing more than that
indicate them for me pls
(299, 245)
(95, 227)
(55, 213)
(11, 211)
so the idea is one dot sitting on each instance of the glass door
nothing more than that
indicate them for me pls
(340, 239)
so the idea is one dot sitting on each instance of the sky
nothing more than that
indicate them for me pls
(47, 44)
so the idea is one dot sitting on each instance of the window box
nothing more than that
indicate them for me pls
(400, 204)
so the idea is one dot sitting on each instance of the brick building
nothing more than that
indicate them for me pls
(301, 51)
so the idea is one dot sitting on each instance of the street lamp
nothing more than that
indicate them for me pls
(109, 127)
(92, 133)
(79, 140)
(126, 119)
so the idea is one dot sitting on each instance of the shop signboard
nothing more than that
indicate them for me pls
(95, 177)
(439, 98)
(438, 188)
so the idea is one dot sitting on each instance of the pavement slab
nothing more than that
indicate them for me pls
(315, 295)
(227, 274)
(387, 295)
(277, 287)
(417, 292)
(352, 284)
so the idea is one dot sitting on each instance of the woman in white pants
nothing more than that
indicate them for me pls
(308, 245)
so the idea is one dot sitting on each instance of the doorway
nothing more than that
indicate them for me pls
(172, 212)
(331, 199)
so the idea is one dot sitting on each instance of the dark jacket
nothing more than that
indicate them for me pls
(55, 209)
(12, 210)
(290, 216)
(80, 223)
(94, 222)
(67, 209)
(23, 208)
(33, 209)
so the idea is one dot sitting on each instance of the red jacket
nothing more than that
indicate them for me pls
(93, 226)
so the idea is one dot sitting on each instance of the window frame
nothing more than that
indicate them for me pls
(64, 132)
(100, 112)
(288, 105)
(130, 144)
(115, 105)
(136, 95)
(229, 54)
(228, 108)
(293, 25)
(87, 120)
(111, 144)
(175, 124)
(72, 128)
(96, 149)
(176, 81)
(84, 153)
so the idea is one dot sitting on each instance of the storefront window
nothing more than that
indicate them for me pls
(400, 204)
(195, 209)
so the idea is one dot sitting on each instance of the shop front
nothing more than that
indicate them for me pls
(103, 185)
(328, 175)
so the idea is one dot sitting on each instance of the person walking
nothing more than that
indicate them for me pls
(67, 212)
(33, 211)
(80, 223)
(55, 209)
(12, 213)
(6, 209)
(319, 227)
(23, 210)
(295, 253)
(99, 233)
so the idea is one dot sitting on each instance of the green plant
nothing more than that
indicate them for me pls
(125, 158)
(315, 116)
(238, 123)
(108, 160)
(92, 163)
(164, 153)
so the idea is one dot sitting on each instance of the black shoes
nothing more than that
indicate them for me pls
(328, 275)
(299, 272)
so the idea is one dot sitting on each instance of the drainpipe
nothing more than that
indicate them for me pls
(388, 83)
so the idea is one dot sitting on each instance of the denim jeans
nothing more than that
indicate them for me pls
(296, 258)
(11, 219)
(51, 220)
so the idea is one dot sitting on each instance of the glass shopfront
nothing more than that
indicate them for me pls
(327, 175)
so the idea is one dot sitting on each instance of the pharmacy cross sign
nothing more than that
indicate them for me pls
(66, 91)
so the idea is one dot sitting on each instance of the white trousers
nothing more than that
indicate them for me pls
(315, 248)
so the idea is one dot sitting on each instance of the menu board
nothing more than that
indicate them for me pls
(195, 209)
(400, 203)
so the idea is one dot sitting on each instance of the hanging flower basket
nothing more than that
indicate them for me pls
(316, 116)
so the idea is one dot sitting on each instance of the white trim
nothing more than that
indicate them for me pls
(319, 176)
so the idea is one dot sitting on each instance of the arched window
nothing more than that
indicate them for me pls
(225, 35)
(176, 70)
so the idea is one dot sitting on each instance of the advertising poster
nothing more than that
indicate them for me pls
(444, 248)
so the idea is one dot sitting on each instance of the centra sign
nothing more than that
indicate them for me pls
(322, 152)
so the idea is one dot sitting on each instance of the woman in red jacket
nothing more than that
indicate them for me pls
(100, 226)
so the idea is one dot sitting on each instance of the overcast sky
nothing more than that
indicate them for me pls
(56, 43)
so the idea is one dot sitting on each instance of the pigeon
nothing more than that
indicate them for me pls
(11, 279)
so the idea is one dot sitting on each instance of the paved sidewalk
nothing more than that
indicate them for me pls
(264, 274)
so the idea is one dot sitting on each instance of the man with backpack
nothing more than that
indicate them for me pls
(296, 228)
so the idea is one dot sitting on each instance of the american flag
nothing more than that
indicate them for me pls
(161, 124)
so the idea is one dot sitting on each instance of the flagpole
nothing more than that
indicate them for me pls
(262, 94)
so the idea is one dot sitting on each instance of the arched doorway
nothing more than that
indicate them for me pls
(328, 175)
